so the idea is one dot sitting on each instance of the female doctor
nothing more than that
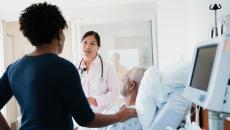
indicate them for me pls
(99, 80)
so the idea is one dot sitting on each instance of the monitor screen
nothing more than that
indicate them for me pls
(203, 67)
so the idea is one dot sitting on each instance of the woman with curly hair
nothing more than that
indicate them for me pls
(46, 86)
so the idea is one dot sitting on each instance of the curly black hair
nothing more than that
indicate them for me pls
(41, 23)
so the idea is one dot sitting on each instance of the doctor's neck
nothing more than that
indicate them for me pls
(89, 59)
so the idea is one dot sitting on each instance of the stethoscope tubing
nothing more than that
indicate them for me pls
(84, 69)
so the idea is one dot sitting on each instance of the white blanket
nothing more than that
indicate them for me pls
(155, 90)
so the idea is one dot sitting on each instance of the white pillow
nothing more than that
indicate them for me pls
(155, 88)
(149, 97)
(175, 77)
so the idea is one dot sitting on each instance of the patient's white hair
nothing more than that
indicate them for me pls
(136, 74)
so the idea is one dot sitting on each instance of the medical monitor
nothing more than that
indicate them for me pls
(208, 82)
(203, 67)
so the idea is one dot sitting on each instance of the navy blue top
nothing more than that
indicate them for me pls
(48, 90)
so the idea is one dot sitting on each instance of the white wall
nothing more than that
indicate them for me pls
(1, 47)
(181, 24)
(1, 56)
(198, 21)
(16, 45)
(115, 13)
(172, 31)
(201, 18)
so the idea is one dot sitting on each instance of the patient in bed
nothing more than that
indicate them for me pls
(157, 97)
(129, 90)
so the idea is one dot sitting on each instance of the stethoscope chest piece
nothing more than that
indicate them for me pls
(82, 70)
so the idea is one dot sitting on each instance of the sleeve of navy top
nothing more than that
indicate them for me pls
(74, 97)
(5, 90)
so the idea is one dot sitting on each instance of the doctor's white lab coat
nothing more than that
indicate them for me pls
(104, 89)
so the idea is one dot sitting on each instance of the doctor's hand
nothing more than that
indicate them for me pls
(126, 113)
(92, 101)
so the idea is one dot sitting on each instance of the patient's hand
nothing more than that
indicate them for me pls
(126, 113)
(92, 101)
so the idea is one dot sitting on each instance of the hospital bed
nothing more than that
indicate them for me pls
(160, 103)
(172, 113)
(169, 117)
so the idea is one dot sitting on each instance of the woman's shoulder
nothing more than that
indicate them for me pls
(65, 63)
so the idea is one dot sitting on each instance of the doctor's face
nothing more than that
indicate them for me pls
(90, 46)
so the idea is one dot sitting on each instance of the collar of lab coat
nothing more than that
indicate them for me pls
(96, 60)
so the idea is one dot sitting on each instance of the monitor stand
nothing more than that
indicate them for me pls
(216, 120)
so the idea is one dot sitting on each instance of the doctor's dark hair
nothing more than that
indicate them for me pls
(41, 23)
(92, 33)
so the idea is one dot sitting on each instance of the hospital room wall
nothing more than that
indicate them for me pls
(1, 50)
(172, 32)
(15, 45)
(181, 24)
(21, 46)
(201, 19)
(1, 47)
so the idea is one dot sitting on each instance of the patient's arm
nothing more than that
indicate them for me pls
(131, 124)
(3, 123)
(102, 120)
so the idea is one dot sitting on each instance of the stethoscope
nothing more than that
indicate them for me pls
(84, 69)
